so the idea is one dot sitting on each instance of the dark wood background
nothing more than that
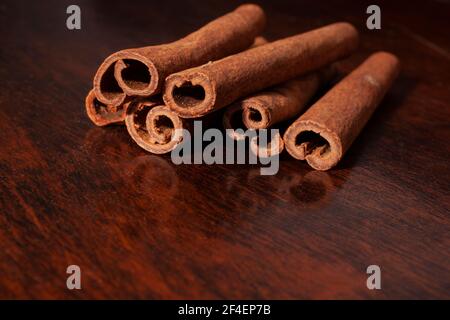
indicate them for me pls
(141, 227)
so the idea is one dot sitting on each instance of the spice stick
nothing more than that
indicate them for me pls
(141, 71)
(284, 101)
(269, 107)
(155, 133)
(102, 114)
(324, 132)
(153, 127)
(232, 117)
(200, 90)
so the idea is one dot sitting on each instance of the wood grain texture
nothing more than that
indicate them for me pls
(141, 227)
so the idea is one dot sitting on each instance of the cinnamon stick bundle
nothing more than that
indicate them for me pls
(154, 126)
(141, 71)
(324, 132)
(272, 106)
(201, 90)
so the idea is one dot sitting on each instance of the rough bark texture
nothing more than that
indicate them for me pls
(201, 90)
(142, 71)
(284, 101)
(324, 133)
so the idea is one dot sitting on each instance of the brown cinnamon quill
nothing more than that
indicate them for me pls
(284, 101)
(324, 132)
(201, 90)
(141, 71)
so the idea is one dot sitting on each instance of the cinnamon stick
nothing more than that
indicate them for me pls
(324, 132)
(201, 90)
(141, 71)
(284, 101)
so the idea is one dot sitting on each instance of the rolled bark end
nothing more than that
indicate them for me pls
(255, 114)
(125, 73)
(189, 95)
(136, 75)
(232, 120)
(251, 9)
(274, 147)
(103, 114)
(311, 141)
(326, 130)
(164, 125)
(106, 88)
(140, 120)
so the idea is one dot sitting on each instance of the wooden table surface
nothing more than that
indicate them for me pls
(141, 227)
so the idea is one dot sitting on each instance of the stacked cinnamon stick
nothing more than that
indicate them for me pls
(155, 90)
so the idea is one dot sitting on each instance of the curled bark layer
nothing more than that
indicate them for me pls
(102, 114)
(154, 127)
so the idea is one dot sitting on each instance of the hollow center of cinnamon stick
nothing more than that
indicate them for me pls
(312, 143)
(99, 107)
(109, 86)
(139, 122)
(136, 74)
(188, 95)
(163, 125)
(106, 111)
(255, 115)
